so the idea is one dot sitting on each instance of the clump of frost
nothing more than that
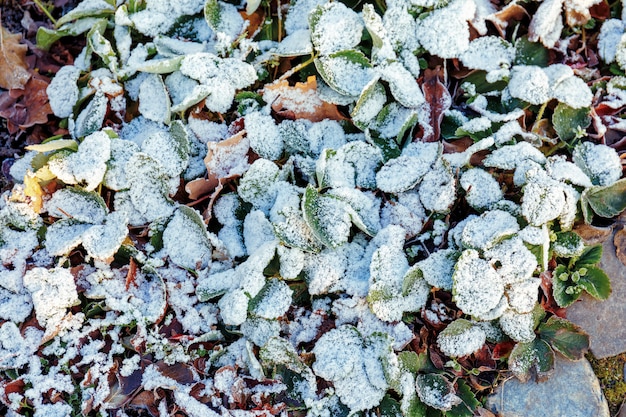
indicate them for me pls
(15, 349)
(488, 53)
(438, 268)
(263, 135)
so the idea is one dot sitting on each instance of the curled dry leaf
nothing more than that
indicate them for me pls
(511, 12)
(438, 99)
(14, 72)
(592, 235)
(300, 101)
(620, 245)
(28, 107)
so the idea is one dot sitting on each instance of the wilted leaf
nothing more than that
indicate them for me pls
(27, 107)
(607, 201)
(620, 245)
(511, 12)
(33, 190)
(592, 235)
(13, 67)
(438, 99)
(565, 337)
(300, 101)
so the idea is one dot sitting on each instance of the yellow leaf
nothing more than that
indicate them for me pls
(33, 190)
(13, 68)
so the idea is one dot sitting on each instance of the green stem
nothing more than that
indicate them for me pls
(297, 68)
(46, 12)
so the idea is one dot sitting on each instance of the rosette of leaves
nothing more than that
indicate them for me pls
(580, 274)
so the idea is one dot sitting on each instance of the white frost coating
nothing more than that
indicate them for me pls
(560, 169)
(461, 338)
(407, 212)
(162, 146)
(529, 83)
(402, 84)
(513, 260)
(185, 239)
(477, 286)
(601, 163)
(523, 295)
(154, 101)
(73, 203)
(519, 327)
(291, 261)
(15, 349)
(488, 53)
(481, 189)
(53, 291)
(64, 235)
(234, 307)
(437, 190)
(102, 241)
(298, 15)
(275, 299)
(485, 231)
(445, 32)
(345, 76)
(510, 156)
(335, 27)
(543, 200)
(63, 91)
(257, 230)
(257, 185)
(573, 91)
(439, 267)
(547, 23)
(404, 172)
(87, 165)
(610, 38)
(263, 134)
(115, 177)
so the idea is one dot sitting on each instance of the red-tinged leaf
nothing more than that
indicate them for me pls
(179, 372)
(147, 401)
(548, 302)
(438, 99)
(601, 10)
(14, 72)
(502, 350)
(132, 274)
(565, 337)
(436, 358)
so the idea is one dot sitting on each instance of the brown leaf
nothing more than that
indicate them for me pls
(576, 15)
(592, 235)
(145, 400)
(502, 18)
(502, 350)
(179, 372)
(27, 107)
(439, 100)
(620, 245)
(601, 10)
(121, 388)
(132, 274)
(300, 101)
(13, 68)
(483, 412)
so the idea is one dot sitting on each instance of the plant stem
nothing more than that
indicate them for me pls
(297, 68)
(46, 12)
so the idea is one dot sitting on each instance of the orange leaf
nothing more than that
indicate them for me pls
(439, 100)
(300, 101)
(13, 68)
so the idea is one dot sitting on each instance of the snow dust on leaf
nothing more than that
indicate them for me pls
(439, 101)
(301, 101)
(14, 72)
(436, 391)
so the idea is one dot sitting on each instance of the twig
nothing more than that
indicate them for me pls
(46, 12)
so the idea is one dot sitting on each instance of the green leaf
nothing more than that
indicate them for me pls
(413, 276)
(54, 145)
(389, 407)
(596, 282)
(327, 216)
(91, 118)
(590, 256)
(530, 53)
(388, 146)
(212, 14)
(373, 24)
(46, 37)
(102, 47)
(413, 362)
(199, 93)
(161, 66)
(568, 121)
(369, 104)
(568, 245)
(565, 337)
(469, 404)
(606, 201)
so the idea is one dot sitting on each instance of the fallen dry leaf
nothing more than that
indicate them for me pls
(620, 244)
(511, 12)
(438, 99)
(300, 101)
(13, 68)
(592, 235)
(27, 107)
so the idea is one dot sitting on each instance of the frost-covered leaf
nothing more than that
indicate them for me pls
(529, 83)
(510, 156)
(406, 171)
(87, 165)
(600, 162)
(87, 8)
(393, 121)
(327, 216)
(186, 241)
(223, 17)
(565, 337)
(488, 53)
(347, 72)
(53, 291)
(568, 245)
(547, 23)
(170, 149)
(161, 66)
(437, 190)
(402, 84)
(102, 47)
(257, 185)
(573, 91)
(461, 338)
(518, 326)
(481, 189)
(77, 204)
(64, 235)
(264, 136)
(115, 177)
(369, 104)
(46, 37)
(334, 27)
(273, 300)
(63, 91)
(91, 118)
(560, 169)
(487, 230)
(363, 208)
(543, 201)
(436, 391)
(439, 267)
(536, 356)
(610, 38)
(445, 31)
(513, 260)
(477, 287)
(103, 241)
(154, 101)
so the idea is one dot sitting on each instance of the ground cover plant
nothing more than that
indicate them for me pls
(302, 209)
